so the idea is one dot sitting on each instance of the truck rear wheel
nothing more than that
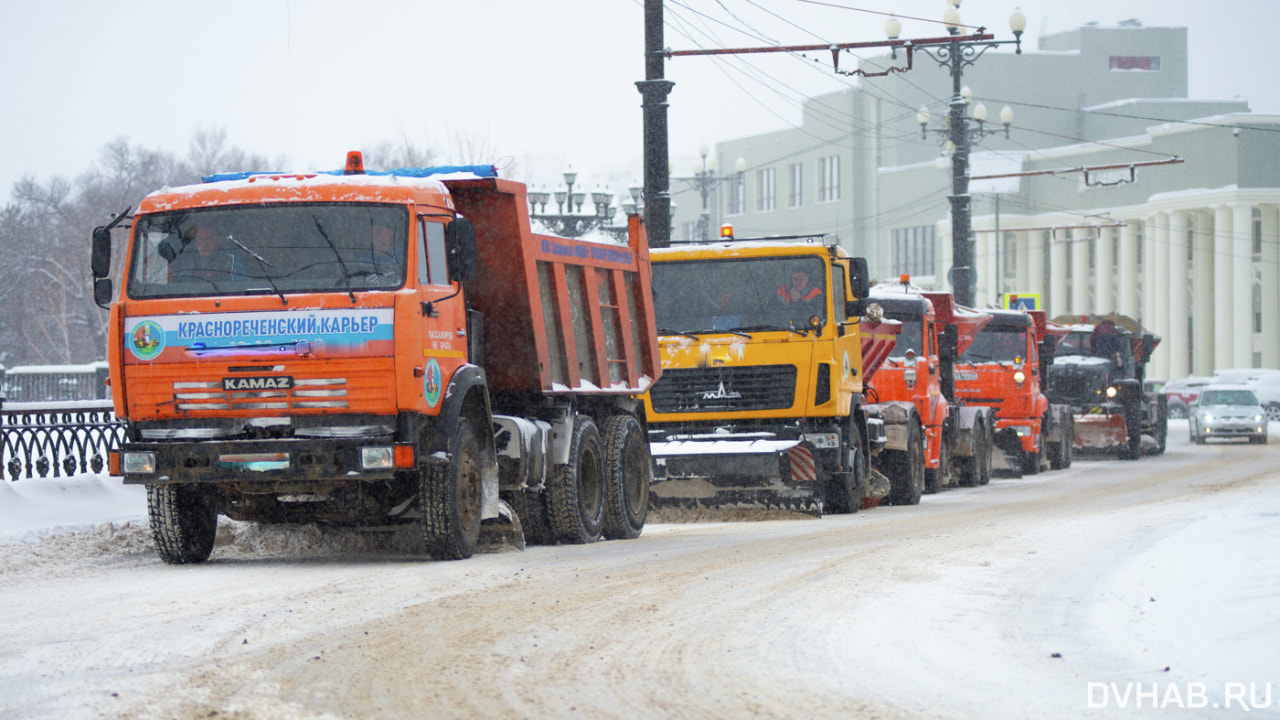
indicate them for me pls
(1132, 449)
(977, 470)
(184, 522)
(628, 472)
(531, 508)
(451, 496)
(576, 494)
(906, 470)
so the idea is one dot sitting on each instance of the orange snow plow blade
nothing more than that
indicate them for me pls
(1100, 432)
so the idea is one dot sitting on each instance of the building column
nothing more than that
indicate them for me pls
(1104, 289)
(1178, 336)
(1059, 303)
(984, 262)
(1127, 301)
(1270, 267)
(1202, 355)
(1081, 303)
(1021, 276)
(1035, 266)
(1223, 345)
(1150, 305)
(1242, 284)
(1161, 295)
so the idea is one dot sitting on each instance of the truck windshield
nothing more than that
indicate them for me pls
(743, 294)
(997, 345)
(910, 337)
(269, 248)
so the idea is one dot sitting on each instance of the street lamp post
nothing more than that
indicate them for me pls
(569, 220)
(705, 180)
(955, 57)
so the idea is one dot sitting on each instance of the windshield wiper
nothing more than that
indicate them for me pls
(263, 264)
(345, 275)
(666, 331)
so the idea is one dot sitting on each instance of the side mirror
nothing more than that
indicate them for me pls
(860, 283)
(855, 308)
(460, 244)
(1148, 347)
(100, 253)
(1048, 346)
(102, 292)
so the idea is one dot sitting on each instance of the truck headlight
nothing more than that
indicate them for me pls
(1019, 377)
(1111, 391)
(138, 463)
(377, 458)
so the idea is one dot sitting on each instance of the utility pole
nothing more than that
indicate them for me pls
(654, 89)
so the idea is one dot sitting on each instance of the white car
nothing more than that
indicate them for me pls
(1227, 411)
(1267, 388)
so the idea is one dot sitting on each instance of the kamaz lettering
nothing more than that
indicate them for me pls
(276, 382)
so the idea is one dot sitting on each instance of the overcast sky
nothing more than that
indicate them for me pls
(539, 84)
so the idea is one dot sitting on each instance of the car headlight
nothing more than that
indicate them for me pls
(1208, 417)
(1257, 418)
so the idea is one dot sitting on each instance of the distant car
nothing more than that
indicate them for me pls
(1181, 393)
(1240, 376)
(1267, 388)
(1227, 411)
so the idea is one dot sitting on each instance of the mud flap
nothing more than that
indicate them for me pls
(501, 533)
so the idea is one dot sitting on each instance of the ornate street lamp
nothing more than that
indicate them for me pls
(705, 181)
(955, 57)
(569, 220)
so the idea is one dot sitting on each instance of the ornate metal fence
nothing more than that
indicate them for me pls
(57, 439)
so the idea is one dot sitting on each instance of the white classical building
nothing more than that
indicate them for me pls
(1176, 223)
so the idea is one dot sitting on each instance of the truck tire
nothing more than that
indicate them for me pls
(1132, 449)
(576, 493)
(451, 496)
(906, 470)
(184, 522)
(977, 471)
(844, 489)
(628, 472)
(531, 508)
(1062, 450)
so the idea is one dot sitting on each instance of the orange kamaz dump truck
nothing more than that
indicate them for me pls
(934, 439)
(377, 349)
(1006, 369)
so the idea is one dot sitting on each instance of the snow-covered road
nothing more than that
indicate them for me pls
(1075, 593)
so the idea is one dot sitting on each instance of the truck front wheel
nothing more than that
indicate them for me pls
(906, 470)
(628, 473)
(184, 522)
(451, 495)
(576, 494)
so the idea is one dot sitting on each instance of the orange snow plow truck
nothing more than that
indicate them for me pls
(375, 350)
(934, 440)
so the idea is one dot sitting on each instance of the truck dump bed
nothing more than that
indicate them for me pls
(560, 315)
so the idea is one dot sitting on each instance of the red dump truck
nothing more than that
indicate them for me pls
(932, 440)
(377, 349)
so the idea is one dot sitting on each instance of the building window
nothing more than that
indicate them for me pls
(1257, 231)
(913, 251)
(765, 199)
(829, 179)
(1139, 63)
(796, 198)
(737, 195)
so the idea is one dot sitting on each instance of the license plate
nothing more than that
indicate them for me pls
(263, 382)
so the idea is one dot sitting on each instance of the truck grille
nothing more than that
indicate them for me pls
(307, 393)
(725, 389)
